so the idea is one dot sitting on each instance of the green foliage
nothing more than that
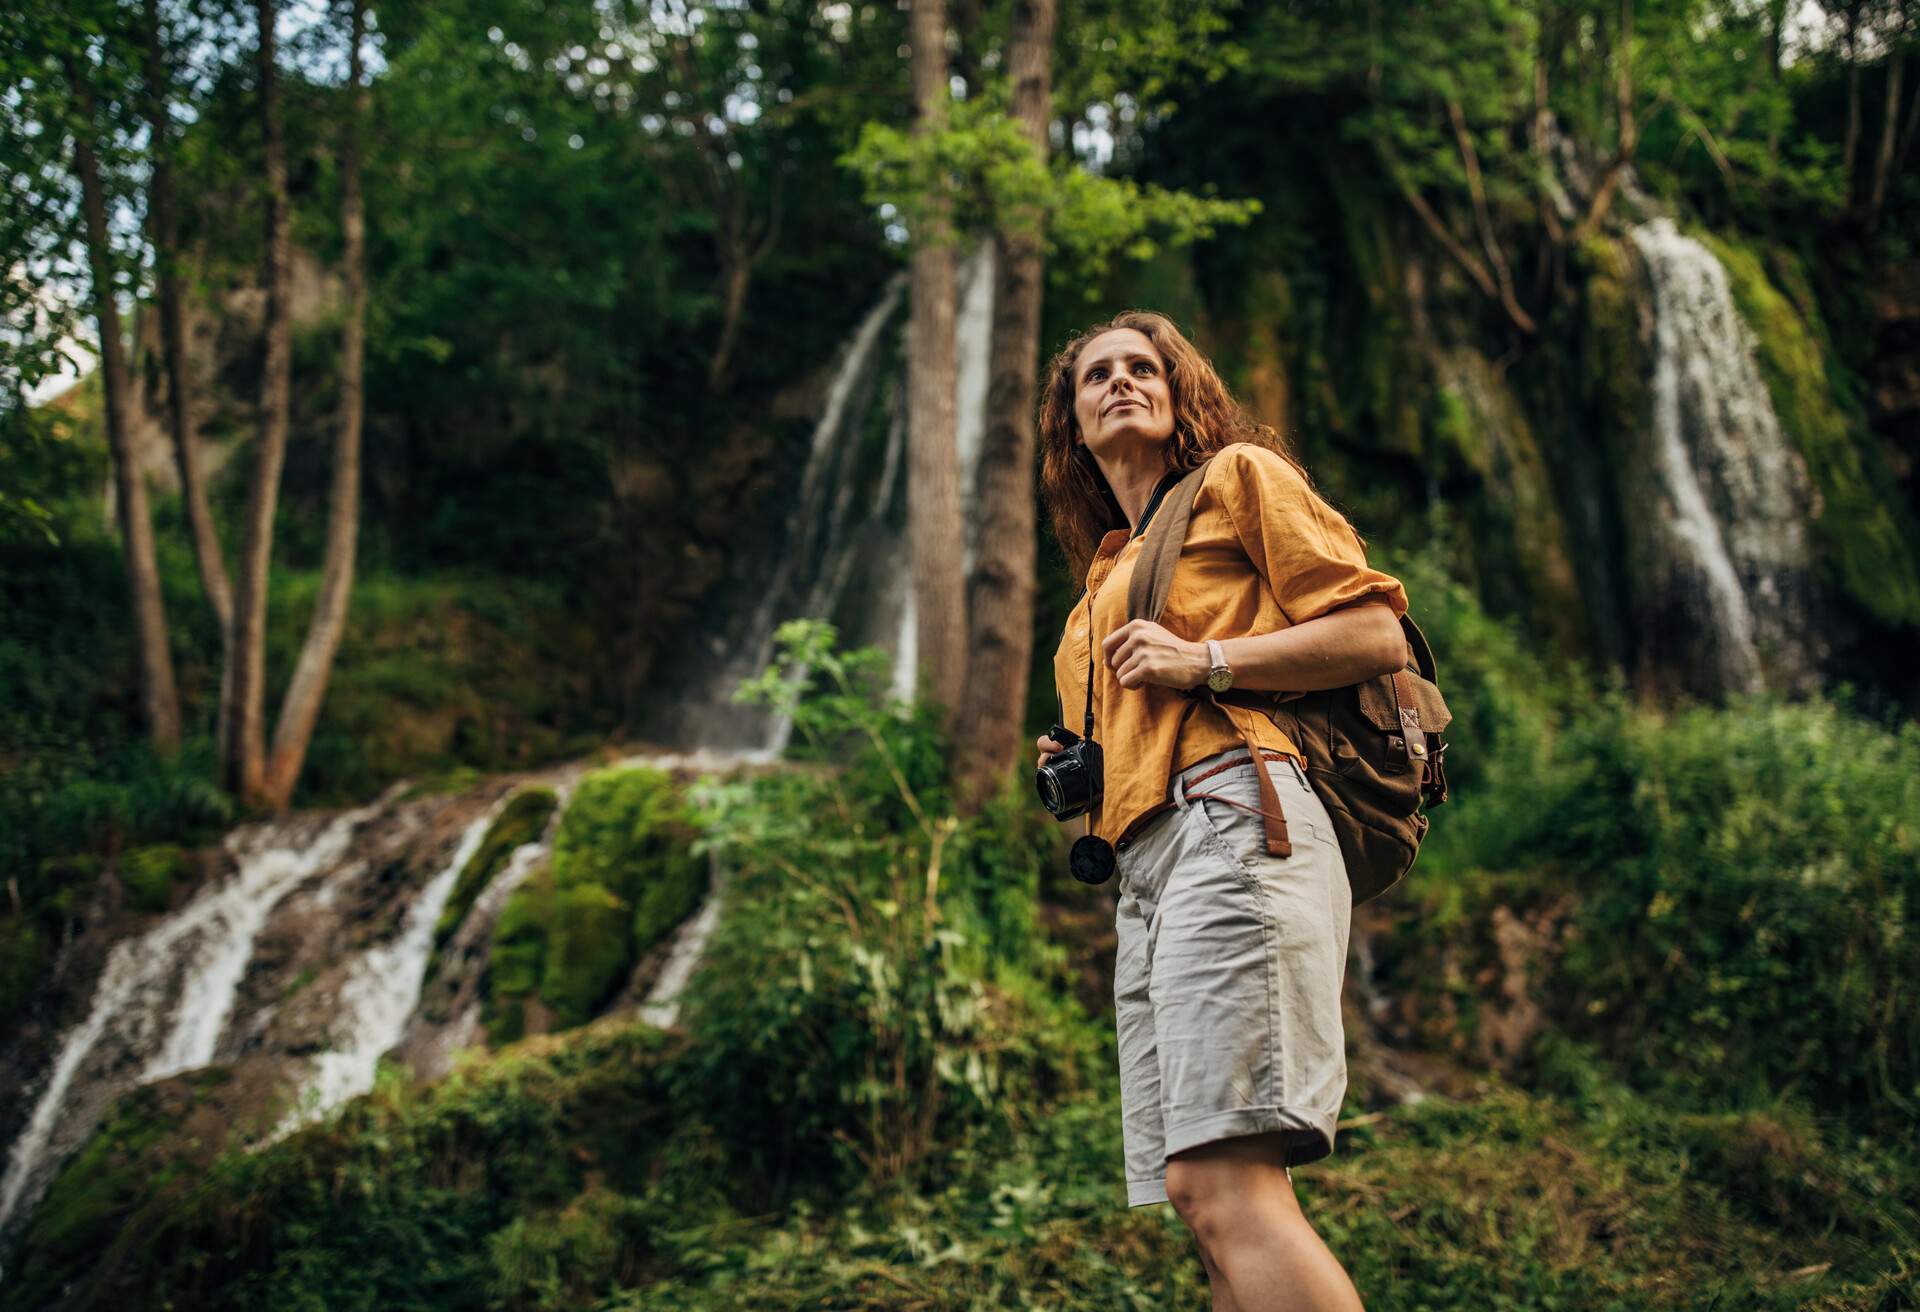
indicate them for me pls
(588, 951)
(1750, 898)
(149, 874)
(985, 169)
(857, 1005)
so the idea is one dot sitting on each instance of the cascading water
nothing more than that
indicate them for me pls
(1726, 521)
(250, 966)
(844, 555)
(380, 992)
(165, 997)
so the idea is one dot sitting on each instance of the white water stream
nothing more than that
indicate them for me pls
(1735, 491)
(170, 991)
(381, 990)
(166, 1000)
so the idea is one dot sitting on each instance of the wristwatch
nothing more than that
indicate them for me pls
(1220, 677)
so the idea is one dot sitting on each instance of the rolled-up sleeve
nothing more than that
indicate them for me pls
(1305, 550)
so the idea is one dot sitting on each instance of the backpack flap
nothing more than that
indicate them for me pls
(1409, 710)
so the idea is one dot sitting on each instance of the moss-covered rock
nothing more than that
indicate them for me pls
(590, 947)
(622, 875)
(1868, 539)
(1478, 419)
(520, 821)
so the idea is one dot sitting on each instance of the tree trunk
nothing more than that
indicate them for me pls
(246, 729)
(934, 518)
(990, 736)
(166, 240)
(159, 699)
(308, 688)
(1889, 129)
(1776, 34)
(1907, 133)
(1848, 150)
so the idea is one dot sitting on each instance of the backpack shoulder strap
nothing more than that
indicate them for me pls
(1153, 569)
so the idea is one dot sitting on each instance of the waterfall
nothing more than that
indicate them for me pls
(844, 555)
(168, 994)
(381, 990)
(1730, 496)
(252, 964)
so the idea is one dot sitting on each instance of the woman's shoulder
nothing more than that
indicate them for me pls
(1252, 467)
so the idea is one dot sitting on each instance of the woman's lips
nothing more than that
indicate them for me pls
(1120, 404)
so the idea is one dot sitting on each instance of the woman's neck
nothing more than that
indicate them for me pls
(1133, 475)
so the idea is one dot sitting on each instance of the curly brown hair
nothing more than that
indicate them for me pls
(1079, 500)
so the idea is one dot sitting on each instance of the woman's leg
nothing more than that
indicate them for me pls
(1222, 1295)
(1237, 1199)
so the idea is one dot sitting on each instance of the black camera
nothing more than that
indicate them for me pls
(1069, 783)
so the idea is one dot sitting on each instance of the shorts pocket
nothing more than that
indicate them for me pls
(1242, 833)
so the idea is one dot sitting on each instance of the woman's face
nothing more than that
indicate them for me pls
(1121, 393)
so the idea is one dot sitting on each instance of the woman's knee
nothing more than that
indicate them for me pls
(1219, 1186)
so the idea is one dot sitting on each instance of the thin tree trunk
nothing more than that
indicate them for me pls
(159, 699)
(1907, 133)
(1851, 145)
(937, 529)
(308, 688)
(166, 242)
(1889, 129)
(1776, 33)
(989, 737)
(1629, 133)
(246, 728)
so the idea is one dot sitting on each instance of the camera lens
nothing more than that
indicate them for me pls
(1051, 796)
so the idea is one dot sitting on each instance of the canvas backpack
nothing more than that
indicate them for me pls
(1374, 749)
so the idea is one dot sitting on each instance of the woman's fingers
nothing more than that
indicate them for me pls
(1047, 748)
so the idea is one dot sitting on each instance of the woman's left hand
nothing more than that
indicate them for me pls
(1141, 651)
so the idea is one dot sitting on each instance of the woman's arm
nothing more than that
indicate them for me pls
(1352, 642)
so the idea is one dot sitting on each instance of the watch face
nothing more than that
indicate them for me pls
(1220, 680)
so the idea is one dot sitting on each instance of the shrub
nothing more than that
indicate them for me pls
(852, 1013)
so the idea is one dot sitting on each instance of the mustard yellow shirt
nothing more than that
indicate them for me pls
(1263, 552)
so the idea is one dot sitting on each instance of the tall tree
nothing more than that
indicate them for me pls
(1897, 37)
(989, 736)
(933, 477)
(245, 748)
(159, 699)
(1851, 15)
(165, 226)
(301, 707)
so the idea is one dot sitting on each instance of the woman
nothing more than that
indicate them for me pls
(1227, 980)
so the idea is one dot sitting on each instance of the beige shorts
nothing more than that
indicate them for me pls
(1227, 980)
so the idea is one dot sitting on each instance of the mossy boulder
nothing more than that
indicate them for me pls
(521, 821)
(623, 874)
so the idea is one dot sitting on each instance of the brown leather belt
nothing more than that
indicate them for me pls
(1146, 817)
